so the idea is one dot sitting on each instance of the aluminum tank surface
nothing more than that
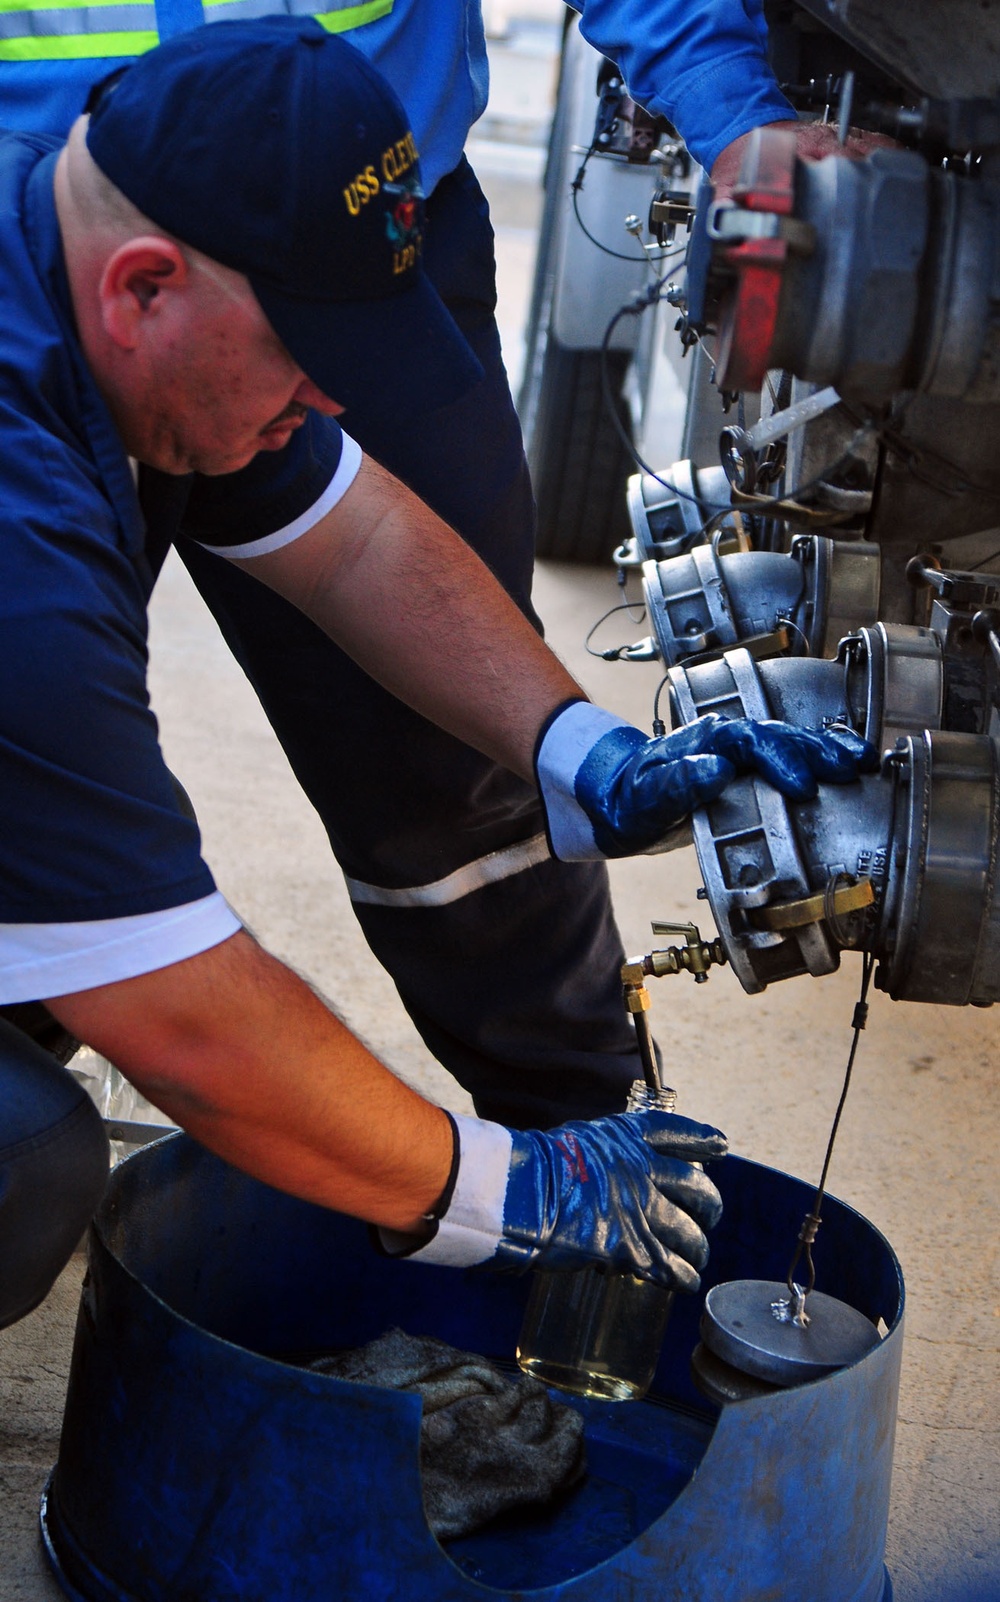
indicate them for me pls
(197, 1464)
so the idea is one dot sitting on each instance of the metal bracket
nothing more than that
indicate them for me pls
(734, 225)
(739, 446)
(812, 909)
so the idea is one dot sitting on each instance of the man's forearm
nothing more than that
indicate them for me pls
(417, 609)
(234, 1047)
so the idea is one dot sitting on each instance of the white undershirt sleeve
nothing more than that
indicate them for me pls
(347, 471)
(38, 960)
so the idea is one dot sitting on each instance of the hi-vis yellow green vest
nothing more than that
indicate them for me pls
(75, 30)
(433, 52)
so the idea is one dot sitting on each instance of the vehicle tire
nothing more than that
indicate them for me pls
(579, 462)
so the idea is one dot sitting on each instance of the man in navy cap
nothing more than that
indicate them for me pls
(189, 290)
(457, 870)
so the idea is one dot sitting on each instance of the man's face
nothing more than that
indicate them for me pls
(217, 385)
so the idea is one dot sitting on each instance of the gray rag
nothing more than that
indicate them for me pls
(489, 1442)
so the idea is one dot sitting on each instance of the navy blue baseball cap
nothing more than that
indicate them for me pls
(278, 150)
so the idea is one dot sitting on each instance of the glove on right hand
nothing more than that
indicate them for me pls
(620, 1192)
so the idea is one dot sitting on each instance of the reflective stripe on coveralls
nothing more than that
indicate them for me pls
(66, 30)
(496, 865)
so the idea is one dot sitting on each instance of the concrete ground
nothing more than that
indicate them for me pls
(916, 1147)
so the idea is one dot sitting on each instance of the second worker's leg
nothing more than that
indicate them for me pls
(507, 961)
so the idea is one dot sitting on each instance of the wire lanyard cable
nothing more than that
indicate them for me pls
(812, 1220)
(613, 653)
(575, 188)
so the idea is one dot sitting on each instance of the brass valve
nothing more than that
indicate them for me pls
(696, 957)
(636, 994)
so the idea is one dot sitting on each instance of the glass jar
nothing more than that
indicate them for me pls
(593, 1331)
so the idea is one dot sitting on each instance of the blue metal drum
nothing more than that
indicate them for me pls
(199, 1464)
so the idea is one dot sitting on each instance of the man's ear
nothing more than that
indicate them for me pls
(133, 283)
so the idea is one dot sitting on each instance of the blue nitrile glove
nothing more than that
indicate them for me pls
(610, 791)
(619, 1191)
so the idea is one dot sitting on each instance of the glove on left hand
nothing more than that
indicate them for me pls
(609, 790)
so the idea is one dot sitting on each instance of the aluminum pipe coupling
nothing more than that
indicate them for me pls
(875, 275)
(905, 863)
(668, 511)
(801, 603)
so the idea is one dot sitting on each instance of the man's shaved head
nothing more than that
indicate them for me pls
(105, 207)
(191, 370)
(109, 218)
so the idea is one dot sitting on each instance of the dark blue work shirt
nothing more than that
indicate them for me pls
(90, 830)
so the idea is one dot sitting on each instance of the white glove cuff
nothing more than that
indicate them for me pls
(470, 1230)
(569, 738)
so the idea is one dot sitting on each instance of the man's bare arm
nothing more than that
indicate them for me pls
(408, 599)
(233, 1046)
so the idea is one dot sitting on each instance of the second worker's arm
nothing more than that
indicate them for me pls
(703, 64)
